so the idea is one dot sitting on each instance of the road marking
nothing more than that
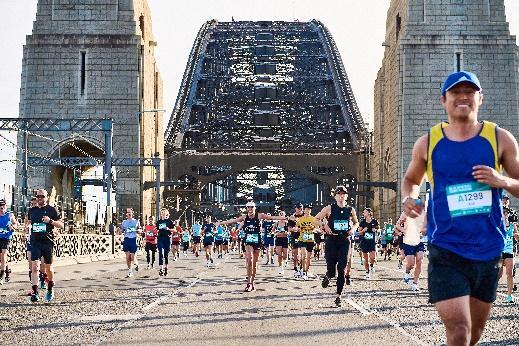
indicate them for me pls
(358, 307)
(106, 318)
(132, 318)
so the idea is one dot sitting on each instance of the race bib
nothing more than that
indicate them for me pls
(368, 236)
(341, 225)
(469, 199)
(131, 230)
(280, 229)
(39, 228)
(308, 237)
(4, 231)
(162, 226)
(150, 234)
(252, 238)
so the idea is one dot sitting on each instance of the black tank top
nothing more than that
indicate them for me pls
(251, 224)
(339, 220)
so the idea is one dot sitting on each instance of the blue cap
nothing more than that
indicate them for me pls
(456, 78)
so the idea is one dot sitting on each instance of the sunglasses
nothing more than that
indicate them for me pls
(40, 196)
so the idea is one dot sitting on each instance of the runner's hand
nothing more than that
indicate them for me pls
(488, 175)
(412, 207)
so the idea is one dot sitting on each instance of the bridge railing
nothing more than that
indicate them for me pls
(70, 245)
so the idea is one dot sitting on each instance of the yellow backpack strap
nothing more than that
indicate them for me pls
(435, 135)
(489, 132)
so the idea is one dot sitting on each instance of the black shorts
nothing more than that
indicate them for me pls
(196, 239)
(4, 243)
(318, 238)
(505, 255)
(294, 242)
(282, 241)
(208, 242)
(150, 247)
(309, 246)
(218, 242)
(367, 246)
(42, 248)
(185, 245)
(255, 246)
(452, 276)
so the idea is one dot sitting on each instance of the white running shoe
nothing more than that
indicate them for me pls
(280, 270)
(130, 273)
(148, 267)
(367, 275)
(414, 287)
(406, 278)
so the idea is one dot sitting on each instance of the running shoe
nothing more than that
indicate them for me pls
(165, 271)
(348, 280)
(304, 276)
(367, 275)
(406, 278)
(43, 284)
(252, 288)
(161, 272)
(400, 265)
(247, 288)
(35, 297)
(130, 273)
(2, 277)
(271, 261)
(148, 267)
(7, 275)
(326, 281)
(310, 275)
(136, 267)
(414, 287)
(211, 259)
(280, 270)
(196, 255)
(510, 299)
(338, 302)
(515, 288)
(49, 296)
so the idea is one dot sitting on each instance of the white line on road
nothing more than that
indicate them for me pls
(357, 306)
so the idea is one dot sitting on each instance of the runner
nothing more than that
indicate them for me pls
(130, 228)
(164, 225)
(241, 239)
(281, 242)
(176, 233)
(306, 225)
(8, 225)
(218, 240)
(389, 231)
(294, 238)
(196, 232)
(208, 232)
(44, 220)
(185, 241)
(342, 222)
(251, 225)
(463, 162)
(234, 239)
(268, 231)
(318, 237)
(151, 233)
(225, 244)
(368, 229)
(508, 254)
(413, 247)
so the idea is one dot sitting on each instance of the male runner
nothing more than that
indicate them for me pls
(465, 223)
(368, 229)
(164, 225)
(294, 237)
(281, 242)
(130, 227)
(8, 225)
(150, 233)
(196, 233)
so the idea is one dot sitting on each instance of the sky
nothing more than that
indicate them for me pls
(358, 27)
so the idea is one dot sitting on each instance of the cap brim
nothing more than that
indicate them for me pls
(478, 88)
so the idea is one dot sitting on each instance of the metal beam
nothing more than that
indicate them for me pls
(44, 124)
(88, 161)
(387, 185)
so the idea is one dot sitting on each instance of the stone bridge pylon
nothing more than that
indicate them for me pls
(94, 60)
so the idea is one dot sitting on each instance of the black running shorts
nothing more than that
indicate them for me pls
(452, 276)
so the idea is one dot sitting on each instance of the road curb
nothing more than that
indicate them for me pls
(23, 266)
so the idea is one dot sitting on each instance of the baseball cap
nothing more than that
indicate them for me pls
(340, 188)
(456, 78)
(250, 204)
(2, 201)
(505, 196)
(298, 205)
(307, 206)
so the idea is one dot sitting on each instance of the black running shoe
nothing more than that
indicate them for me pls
(325, 282)
(515, 288)
(338, 302)
(348, 281)
(165, 271)
(161, 272)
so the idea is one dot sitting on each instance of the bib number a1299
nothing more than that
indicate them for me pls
(469, 199)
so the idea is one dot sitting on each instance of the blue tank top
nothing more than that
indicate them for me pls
(464, 216)
(5, 231)
(197, 229)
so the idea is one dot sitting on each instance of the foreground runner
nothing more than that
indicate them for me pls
(251, 227)
(463, 163)
(44, 220)
(342, 222)
(8, 225)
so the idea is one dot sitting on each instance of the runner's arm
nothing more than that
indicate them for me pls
(227, 222)
(414, 177)
(355, 221)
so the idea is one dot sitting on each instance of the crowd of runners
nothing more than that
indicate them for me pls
(464, 225)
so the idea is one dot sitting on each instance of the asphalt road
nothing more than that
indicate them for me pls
(97, 305)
